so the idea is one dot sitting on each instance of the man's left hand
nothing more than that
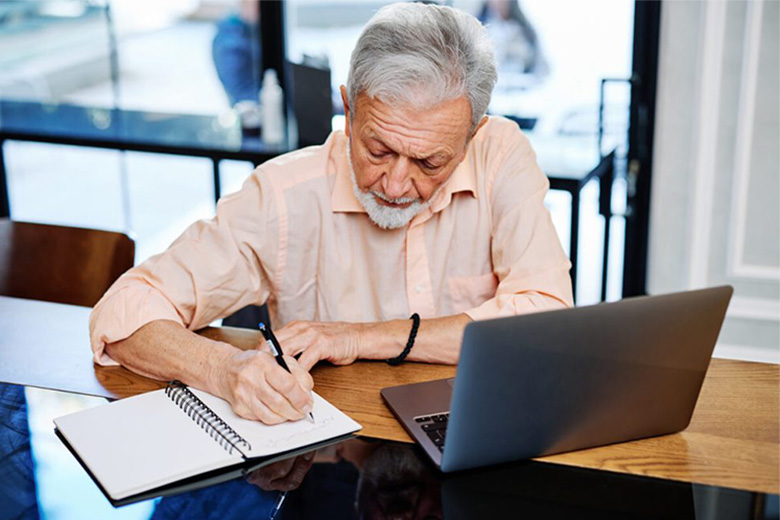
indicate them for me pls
(337, 342)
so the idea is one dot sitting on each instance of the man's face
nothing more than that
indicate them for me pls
(400, 156)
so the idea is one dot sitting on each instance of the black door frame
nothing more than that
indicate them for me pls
(647, 25)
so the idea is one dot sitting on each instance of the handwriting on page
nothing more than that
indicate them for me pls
(297, 433)
(267, 440)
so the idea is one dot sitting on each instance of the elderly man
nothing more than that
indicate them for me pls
(422, 206)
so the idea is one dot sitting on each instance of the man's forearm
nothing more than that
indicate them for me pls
(165, 350)
(341, 343)
(438, 339)
(251, 381)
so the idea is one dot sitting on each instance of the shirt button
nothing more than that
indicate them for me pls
(418, 289)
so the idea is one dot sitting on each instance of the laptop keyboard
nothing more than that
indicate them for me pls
(435, 427)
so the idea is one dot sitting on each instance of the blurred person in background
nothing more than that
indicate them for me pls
(516, 43)
(237, 53)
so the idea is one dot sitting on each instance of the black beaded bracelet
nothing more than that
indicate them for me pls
(409, 344)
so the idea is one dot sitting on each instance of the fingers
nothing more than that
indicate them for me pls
(291, 395)
(336, 342)
(318, 352)
(259, 389)
(295, 337)
(276, 472)
(300, 373)
(294, 476)
(285, 475)
(265, 477)
(262, 346)
(277, 400)
(310, 357)
(265, 414)
(247, 405)
(300, 468)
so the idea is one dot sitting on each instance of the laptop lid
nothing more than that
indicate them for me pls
(557, 381)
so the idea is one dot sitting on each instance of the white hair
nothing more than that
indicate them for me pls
(423, 55)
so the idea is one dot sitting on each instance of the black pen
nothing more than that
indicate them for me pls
(276, 350)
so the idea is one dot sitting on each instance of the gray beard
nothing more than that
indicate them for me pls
(384, 216)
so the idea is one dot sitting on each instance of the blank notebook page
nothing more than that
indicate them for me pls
(140, 443)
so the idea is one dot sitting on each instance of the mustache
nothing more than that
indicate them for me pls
(400, 200)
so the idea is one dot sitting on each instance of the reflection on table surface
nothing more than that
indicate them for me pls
(353, 479)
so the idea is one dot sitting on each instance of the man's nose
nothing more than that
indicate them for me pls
(396, 180)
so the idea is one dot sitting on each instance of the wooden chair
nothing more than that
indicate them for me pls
(61, 264)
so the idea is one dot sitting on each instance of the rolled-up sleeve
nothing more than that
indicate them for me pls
(528, 260)
(213, 269)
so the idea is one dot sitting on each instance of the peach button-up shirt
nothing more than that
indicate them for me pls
(295, 237)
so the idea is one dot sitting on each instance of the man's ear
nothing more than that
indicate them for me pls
(479, 125)
(347, 111)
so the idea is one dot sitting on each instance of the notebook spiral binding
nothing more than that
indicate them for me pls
(205, 417)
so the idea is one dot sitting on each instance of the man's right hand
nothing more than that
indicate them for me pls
(259, 389)
(254, 384)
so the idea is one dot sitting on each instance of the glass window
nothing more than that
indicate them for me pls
(170, 65)
(155, 196)
(66, 185)
(551, 66)
(327, 30)
(48, 50)
(186, 56)
(173, 56)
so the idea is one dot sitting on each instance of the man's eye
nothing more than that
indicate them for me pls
(378, 154)
(431, 166)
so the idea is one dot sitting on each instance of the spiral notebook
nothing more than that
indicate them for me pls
(145, 442)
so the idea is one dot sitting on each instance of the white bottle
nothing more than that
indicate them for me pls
(271, 98)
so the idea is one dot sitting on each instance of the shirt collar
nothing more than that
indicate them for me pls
(343, 200)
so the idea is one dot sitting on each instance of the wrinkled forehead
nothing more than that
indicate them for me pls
(445, 123)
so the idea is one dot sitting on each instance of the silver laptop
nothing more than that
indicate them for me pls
(565, 380)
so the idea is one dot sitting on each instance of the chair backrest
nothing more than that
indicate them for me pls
(61, 264)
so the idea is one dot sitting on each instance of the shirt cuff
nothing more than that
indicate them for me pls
(118, 315)
(504, 305)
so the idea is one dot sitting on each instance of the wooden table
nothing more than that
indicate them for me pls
(733, 439)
